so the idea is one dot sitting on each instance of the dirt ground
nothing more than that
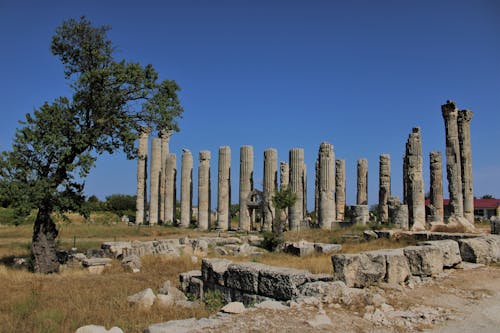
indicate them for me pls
(459, 300)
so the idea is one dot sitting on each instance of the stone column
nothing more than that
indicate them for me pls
(154, 181)
(284, 183)
(362, 193)
(436, 190)
(453, 164)
(326, 186)
(142, 162)
(224, 189)
(464, 118)
(316, 188)
(186, 188)
(246, 186)
(304, 192)
(269, 186)
(170, 188)
(415, 185)
(296, 213)
(204, 191)
(360, 214)
(384, 191)
(340, 189)
(165, 138)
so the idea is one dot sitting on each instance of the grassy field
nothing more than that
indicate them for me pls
(63, 302)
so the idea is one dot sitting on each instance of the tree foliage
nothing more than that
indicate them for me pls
(58, 144)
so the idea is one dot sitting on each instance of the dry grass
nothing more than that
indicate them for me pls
(74, 298)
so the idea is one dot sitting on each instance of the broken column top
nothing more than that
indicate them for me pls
(415, 130)
(435, 156)
(204, 155)
(449, 108)
(165, 133)
(465, 115)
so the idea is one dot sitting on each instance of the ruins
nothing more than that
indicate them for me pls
(330, 185)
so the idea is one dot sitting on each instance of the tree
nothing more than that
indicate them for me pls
(58, 144)
(487, 196)
(120, 203)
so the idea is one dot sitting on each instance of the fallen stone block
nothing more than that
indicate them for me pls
(244, 276)
(180, 326)
(214, 271)
(424, 260)
(300, 249)
(359, 270)
(324, 248)
(96, 262)
(233, 308)
(397, 269)
(98, 329)
(281, 283)
(185, 279)
(481, 250)
(144, 299)
(450, 250)
(132, 262)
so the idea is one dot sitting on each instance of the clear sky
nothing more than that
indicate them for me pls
(282, 74)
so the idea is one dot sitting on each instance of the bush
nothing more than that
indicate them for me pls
(213, 300)
(271, 241)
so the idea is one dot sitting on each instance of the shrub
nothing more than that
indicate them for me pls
(271, 241)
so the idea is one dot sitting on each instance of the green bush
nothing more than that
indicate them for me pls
(213, 300)
(271, 241)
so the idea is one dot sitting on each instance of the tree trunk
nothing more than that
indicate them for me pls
(43, 247)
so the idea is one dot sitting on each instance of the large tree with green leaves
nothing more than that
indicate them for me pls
(58, 143)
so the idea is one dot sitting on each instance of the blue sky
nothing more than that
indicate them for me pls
(282, 74)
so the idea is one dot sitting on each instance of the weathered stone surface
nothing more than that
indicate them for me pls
(414, 187)
(301, 249)
(116, 249)
(463, 122)
(244, 277)
(186, 188)
(173, 292)
(384, 191)
(397, 269)
(296, 213)
(360, 214)
(165, 149)
(359, 270)
(170, 188)
(362, 185)
(185, 279)
(481, 250)
(330, 292)
(142, 158)
(340, 189)
(453, 164)
(180, 326)
(154, 181)
(449, 249)
(204, 195)
(224, 188)
(96, 262)
(246, 187)
(324, 248)
(436, 188)
(144, 299)
(214, 270)
(326, 186)
(98, 329)
(281, 283)
(424, 260)
(269, 186)
(133, 262)
(233, 308)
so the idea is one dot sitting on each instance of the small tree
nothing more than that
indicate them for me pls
(120, 203)
(59, 143)
(281, 201)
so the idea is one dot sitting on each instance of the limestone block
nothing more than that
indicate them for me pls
(132, 262)
(172, 291)
(360, 214)
(143, 299)
(331, 291)
(96, 262)
(180, 326)
(233, 308)
(214, 271)
(281, 283)
(424, 260)
(116, 249)
(450, 250)
(244, 277)
(301, 248)
(397, 269)
(185, 279)
(195, 288)
(324, 248)
(359, 270)
(98, 329)
(481, 250)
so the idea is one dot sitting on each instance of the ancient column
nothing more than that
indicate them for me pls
(340, 189)
(142, 162)
(296, 213)
(453, 161)
(284, 175)
(316, 188)
(269, 186)
(436, 189)
(415, 185)
(224, 189)
(246, 186)
(165, 138)
(186, 188)
(326, 186)
(360, 214)
(464, 118)
(170, 188)
(384, 191)
(362, 193)
(204, 191)
(304, 192)
(154, 181)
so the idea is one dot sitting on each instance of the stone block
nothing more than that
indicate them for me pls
(397, 268)
(324, 248)
(281, 283)
(359, 270)
(300, 249)
(424, 260)
(98, 329)
(244, 277)
(214, 271)
(481, 250)
(450, 250)
(185, 279)
(195, 288)
(143, 299)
